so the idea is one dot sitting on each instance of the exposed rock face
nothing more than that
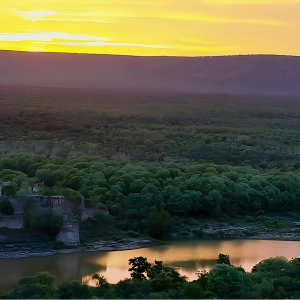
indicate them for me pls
(13, 222)
(255, 232)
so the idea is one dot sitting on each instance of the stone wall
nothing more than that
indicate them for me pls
(39, 201)
(69, 234)
(70, 207)
(13, 222)
(89, 212)
(58, 203)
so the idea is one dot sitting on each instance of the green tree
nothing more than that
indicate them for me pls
(29, 220)
(46, 176)
(49, 219)
(274, 265)
(73, 290)
(223, 259)
(101, 280)
(9, 191)
(139, 267)
(224, 279)
(193, 291)
(72, 195)
(42, 278)
(159, 223)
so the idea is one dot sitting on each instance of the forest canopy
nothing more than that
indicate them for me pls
(149, 194)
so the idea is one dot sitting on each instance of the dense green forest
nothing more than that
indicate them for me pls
(147, 196)
(273, 278)
(149, 159)
(222, 129)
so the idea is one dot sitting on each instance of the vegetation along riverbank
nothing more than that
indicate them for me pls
(271, 278)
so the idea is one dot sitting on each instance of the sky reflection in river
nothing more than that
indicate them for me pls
(187, 256)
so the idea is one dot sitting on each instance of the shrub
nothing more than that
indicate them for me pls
(159, 223)
(275, 224)
(29, 220)
(50, 220)
(132, 233)
(9, 191)
(260, 213)
(47, 219)
(104, 219)
(250, 219)
(6, 208)
(263, 219)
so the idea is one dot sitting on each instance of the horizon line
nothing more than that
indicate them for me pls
(85, 53)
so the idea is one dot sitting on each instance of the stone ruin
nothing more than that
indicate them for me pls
(69, 234)
(58, 202)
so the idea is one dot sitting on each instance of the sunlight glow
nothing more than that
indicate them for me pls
(152, 27)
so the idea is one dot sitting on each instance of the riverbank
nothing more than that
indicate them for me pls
(272, 227)
(46, 248)
(280, 227)
(254, 232)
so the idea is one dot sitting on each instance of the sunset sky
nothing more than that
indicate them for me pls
(152, 27)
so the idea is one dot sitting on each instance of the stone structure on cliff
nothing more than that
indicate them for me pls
(69, 234)
(58, 202)
(34, 188)
(2, 185)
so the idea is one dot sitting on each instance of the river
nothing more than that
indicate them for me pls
(186, 256)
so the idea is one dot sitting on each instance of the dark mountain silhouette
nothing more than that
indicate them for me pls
(248, 74)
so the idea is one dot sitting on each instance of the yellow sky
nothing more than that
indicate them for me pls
(152, 27)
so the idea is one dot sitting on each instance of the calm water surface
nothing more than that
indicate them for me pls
(186, 256)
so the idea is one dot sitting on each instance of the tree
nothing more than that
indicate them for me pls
(46, 176)
(140, 266)
(28, 291)
(101, 279)
(223, 259)
(159, 223)
(224, 279)
(42, 278)
(6, 207)
(72, 195)
(9, 191)
(29, 220)
(49, 220)
(193, 291)
(156, 269)
(73, 290)
(275, 265)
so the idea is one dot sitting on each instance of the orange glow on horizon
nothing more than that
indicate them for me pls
(152, 27)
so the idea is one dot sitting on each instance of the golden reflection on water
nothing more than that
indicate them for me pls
(187, 256)
(191, 256)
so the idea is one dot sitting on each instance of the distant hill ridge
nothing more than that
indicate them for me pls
(245, 74)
